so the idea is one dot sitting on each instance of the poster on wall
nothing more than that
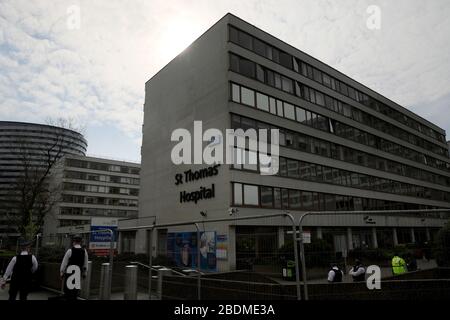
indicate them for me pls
(221, 246)
(100, 242)
(182, 248)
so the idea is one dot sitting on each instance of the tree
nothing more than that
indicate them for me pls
(33, 191)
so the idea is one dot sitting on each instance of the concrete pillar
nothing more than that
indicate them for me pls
(131, 289)
(231, 248)
(394, 234)
(349, 239)
(319, 233)
(374, 238)
(280, 237)
(105, 283)
(413, 236)
(119, 242)
(427, 233)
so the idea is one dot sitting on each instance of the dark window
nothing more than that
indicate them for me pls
(292, 167)
(286, 60)
(294, 199)
(266, 197)
(307, 200)
(287, 85)
(247, 68)
(284, 198)
(234, 63)
(259, 47)
(259, 73)
(277, 197)
(234, 35)
(317, 75)
(245, 40)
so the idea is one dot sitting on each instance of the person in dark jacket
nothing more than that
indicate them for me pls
(411, 263)
(335, 274)
(74, 256)
(358, 272)
(21, 269)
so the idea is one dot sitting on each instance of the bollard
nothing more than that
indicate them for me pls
(105, 286)
(161, 273)
(131, 273)
(86, 283)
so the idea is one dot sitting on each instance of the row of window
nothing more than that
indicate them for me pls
(98, 212)
(249, 97)
(305, 143)
(71, 222)
(49, 140)
(302, 170)
(100, 201)
(101, 166)
(100, 177)
(255, 71)
(100, 189)
(38, 148)
(263, 49)
(51, 132)
(292, 199)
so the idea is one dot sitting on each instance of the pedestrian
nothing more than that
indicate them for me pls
(398, 265)
(358, 272)
(335, 274)
(21, 269)
(75, 256)
(411, 264)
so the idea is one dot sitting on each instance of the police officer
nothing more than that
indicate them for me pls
(358, 272)
(74, 256)
(335, 274)
(398, 265)
(21, 269)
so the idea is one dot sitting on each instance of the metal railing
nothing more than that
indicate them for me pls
(367, 212)
(301, 276)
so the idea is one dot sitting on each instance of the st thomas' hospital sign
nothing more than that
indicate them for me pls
(192, 176)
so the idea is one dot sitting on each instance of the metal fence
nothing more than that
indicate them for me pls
(97, 282)
(277, 262)
(199, 266)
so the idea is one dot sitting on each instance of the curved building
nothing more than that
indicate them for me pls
(20, 142)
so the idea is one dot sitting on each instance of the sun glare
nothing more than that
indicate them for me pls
(178, 35)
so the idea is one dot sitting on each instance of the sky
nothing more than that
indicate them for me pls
(88, 61)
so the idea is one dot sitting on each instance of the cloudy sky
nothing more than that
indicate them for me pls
(94, 71)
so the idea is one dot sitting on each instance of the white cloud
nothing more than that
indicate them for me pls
(97, 73)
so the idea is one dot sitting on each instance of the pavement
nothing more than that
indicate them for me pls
(35, 295)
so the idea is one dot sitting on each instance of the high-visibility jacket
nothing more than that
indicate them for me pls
(398, 265)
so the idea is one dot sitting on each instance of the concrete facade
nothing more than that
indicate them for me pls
(92, 187)
(197, 86)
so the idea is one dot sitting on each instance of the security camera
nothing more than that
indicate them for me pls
(232, 211)
(203, 213)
